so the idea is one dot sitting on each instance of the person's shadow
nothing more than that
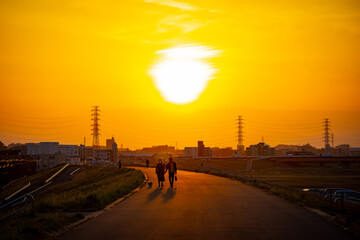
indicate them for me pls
(170, 193)
(154, 194)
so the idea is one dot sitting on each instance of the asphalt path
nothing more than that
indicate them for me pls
(203, 206)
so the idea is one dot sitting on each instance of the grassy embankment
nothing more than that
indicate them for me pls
(303, 176)
(92, 189)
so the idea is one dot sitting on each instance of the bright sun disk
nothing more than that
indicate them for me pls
(181, 74)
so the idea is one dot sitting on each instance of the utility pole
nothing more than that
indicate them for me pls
(95, 127)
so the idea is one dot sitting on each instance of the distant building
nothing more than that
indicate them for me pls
(70, 151)
(240, 151)
(344, 150)
(308, 148)
(18, 146)
(85, 152)
(136, 154)
(283, 149)
(106, 154)
(12, 154)
(197, 152)
(42, 148)
(201, 149)
(179, 153)
(114, 152)
(46, 161)
(354, 152)
(123, 150)
(341, 150)
(260, 149)
(158, 149)
(191, 152)
(304, 150)
(103, 154)
(109, 143)
(222, 152)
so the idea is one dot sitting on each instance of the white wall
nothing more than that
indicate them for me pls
(42, 148)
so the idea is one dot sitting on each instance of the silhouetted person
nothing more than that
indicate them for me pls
(119, 164)
(171, 167)
(147, 163)
(160, 171)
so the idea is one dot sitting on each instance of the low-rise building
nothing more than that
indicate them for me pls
(103, 154)
(109, 143)
(46, 161)
(354, 152)
(42, 148)
(191, 152)
(85, 152)
(260, 149)
(70, 151)
(222, 152)
(198, 152)
(342, 150)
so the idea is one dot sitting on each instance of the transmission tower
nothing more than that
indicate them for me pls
(95, 127)
(240, 136)
(326, 135)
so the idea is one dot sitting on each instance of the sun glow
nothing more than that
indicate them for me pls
(182, 73)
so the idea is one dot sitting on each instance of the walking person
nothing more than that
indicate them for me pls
(147, 163)
(171, 167)
(160, 172)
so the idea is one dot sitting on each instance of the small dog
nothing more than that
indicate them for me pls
(150, 184)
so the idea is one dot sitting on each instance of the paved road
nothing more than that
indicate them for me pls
(206, 207)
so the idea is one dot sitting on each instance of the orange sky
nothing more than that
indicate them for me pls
(283, 65)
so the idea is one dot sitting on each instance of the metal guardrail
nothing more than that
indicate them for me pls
(26, 199)
(346, 194)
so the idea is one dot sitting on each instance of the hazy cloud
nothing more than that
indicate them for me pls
(185, 22)
(175, 4)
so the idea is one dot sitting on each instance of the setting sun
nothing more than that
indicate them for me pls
(182, 73)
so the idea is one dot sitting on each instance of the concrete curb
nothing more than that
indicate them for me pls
(319, 212)
(95, 214)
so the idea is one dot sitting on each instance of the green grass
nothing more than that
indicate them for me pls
(313, 181)
(31, 225)
(92, 189)
(309, 175)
